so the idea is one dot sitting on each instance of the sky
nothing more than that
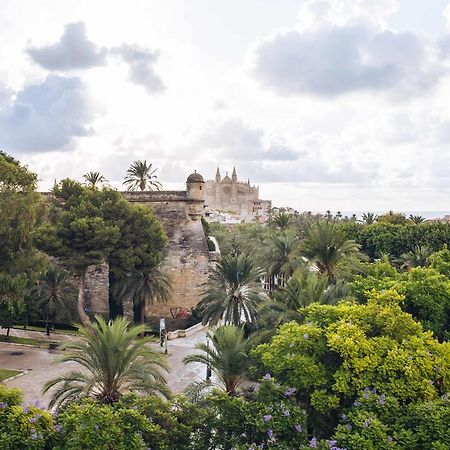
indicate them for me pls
(325, 104)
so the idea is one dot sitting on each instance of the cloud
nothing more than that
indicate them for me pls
(141, 64)
(5, 95)
(337, 60)
(46, 116)
(73, 51)
(235, 140)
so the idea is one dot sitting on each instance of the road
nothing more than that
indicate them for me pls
(40, 367)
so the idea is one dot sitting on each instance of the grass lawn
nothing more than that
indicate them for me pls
(35, 328)
(21, 340)
(7, 373)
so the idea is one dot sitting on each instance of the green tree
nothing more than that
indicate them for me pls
(281, 257)
(392, 217)
(93, 179)
(369, 218)
(417, 257)
(115, 361)
(88, 226)
(148, 286)
(301, 290)
(440, 261)
(282, 221)
(54, 293)
(234, 292)
(141, 176)
(325, 246)
(19, 262)
(416, 219)
(338, 352)
(227, 357)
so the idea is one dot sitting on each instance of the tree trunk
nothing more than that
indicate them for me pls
(82, 299)
(7, 333)
(143, 312)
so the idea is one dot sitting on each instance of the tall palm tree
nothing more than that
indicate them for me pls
(417, 257)
(325, 246)
(115, 362)
(141, 176)
(227, 357)
(54, 292)
(148, 286)
(281, 256)
(234, 292)
(92, 179)
(300, 291)
(369, 218)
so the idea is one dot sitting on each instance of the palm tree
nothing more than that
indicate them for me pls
(369, 218)
(227, 357)
(93, 179)
(282, 256)
(141, 176)
(300, 291)
(234, 292)
(148, 286)
(416, 219)
(325, 246)
(54, 292)
(417, 257)
(282, 221)
(115, 362)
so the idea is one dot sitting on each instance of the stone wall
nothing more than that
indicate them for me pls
(187, 260)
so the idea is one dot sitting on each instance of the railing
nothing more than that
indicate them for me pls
(187, 332)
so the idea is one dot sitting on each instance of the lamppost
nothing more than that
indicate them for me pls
(208, 366)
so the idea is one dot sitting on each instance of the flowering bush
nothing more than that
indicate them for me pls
(351, 347)
(22, 425)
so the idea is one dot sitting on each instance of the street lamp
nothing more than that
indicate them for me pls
(208, 366)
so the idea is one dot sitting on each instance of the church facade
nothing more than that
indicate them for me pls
(240, 198)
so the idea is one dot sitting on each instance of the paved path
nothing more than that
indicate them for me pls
(38, 363)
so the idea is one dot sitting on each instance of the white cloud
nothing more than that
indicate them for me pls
(337, 60)
(141, 66)
(73, 51)
(46, 116)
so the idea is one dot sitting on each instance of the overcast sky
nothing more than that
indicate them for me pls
(326, 104)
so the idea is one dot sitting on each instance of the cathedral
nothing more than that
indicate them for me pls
(235, 197)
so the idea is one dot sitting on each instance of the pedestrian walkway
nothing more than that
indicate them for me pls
(38, 363)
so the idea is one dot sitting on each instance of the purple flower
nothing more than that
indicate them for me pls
(267, 418)
(298, 428)
(267, 376)
(367, 422)
(96, 426)
(382, 399)
(34, 436)
(331, 443)
(32, 419)
(313, 443)
(305, 336)
(390, 439)
(445, 397)
(32, 430)
(356, 403)
(3, 405)
(349, 427)
(58, 427)
(25, 408)
(344, 417)
(289, 392)
(431, 382)
(286, 413)
(366, 395)
(270, 434)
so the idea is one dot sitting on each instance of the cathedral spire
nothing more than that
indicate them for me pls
(218, 177)
(234, 175)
